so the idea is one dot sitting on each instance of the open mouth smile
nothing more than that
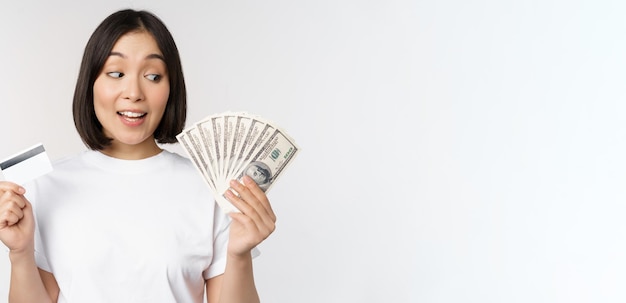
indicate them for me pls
(132, 118)
(132, 115)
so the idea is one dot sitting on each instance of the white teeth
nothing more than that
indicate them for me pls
(131, 114)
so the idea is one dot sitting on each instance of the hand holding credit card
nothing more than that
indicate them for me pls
(26, 165)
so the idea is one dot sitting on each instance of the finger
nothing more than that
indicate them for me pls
(10, 186)
(254, 195)
(12, 204)
(260, 195)
(9, 198)
(238, 201)
(251, 199)
(249, 216)
(10, 218)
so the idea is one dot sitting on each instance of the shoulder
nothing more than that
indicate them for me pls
(177, 161)
(69, 162)
(64, 168)
(179, 166)
(176, 158)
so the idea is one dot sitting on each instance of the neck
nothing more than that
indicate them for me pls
(122, 151)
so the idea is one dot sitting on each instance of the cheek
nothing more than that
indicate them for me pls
(102, 95)
(99, 103)
(160, 98)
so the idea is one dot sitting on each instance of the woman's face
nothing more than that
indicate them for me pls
(130, 94)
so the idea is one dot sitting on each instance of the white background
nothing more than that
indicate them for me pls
(452, 151)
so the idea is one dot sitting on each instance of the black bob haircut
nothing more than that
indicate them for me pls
(96, 53)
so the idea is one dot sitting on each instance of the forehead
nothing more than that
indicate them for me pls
(136, 42)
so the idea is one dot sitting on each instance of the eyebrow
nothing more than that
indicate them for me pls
(151, 56)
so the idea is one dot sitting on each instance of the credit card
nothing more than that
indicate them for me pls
(26, 165)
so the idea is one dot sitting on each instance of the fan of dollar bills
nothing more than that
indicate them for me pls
(229, 145)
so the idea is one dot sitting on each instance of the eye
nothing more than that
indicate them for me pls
(153, 77)
(115, 74)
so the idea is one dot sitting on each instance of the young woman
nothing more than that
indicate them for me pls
(126, 221)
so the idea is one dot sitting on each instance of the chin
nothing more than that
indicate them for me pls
(134, 141)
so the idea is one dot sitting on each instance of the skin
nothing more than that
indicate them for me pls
(134, 80)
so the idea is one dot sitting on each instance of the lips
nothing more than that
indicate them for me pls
(132, 118)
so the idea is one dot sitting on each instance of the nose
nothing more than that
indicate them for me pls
(133, 90)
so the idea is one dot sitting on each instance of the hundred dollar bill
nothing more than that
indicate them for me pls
(229, 145)
(230, 119)
(205, 128)
(242, 125)
(190, 140)
(217, 124)
(255, 134)
(270, 160)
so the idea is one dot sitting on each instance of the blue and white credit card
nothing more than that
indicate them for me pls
(26, 165)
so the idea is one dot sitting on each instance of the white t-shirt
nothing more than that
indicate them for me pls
(114, 230)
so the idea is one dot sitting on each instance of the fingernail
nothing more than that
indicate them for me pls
(21, 190)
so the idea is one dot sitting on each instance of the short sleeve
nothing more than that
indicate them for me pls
(221, 228)
(42, 262)
(40, 257)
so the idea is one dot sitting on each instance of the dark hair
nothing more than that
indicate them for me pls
(96, 53)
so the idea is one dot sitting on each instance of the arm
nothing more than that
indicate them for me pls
(235, 285)
(28, 283)
(17, 228)
(248, 229)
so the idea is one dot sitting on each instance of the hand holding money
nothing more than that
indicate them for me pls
(230, 145)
